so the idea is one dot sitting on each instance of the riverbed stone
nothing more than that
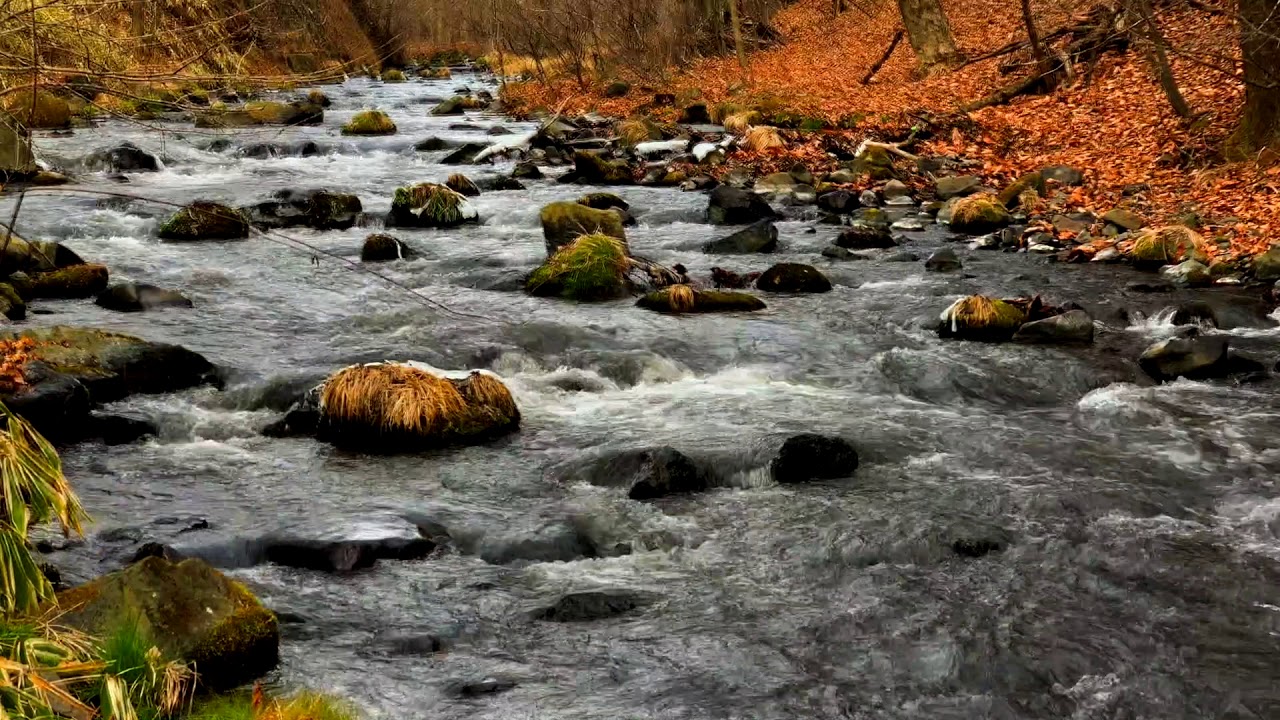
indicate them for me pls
(734, 206)
(268, 112)
(594, 169)
(319, 209)
(137, 297)
(944, 260)
(956, 186)
(1124, 219)
(809, 456)
(1188, 273)
(593, 605)
(46, 111)
(981, 318)
(793, 278)
(866, 236)
(125, 157)
(76, 281)
(381, 247)
(202, 220)
(978, 215)
(895, 189)
(563, 222)
(452, 106)
(1194, 356)
(758, 237)
(189, 610)
(1073, 326)
(682, 299)
(840, 202)
(526, 171)
(1266, 267)
(650, 473)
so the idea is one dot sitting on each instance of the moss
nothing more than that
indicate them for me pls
(205, 221)
(1166, 246)
(370, 122)
(592, 267)
(981, 318)
(812, 124)
(563, 222)
(703, 301)
(392, 76)
(267, 112)
(244, 635)
(978, 214)
(452, 106)
(49, 111)
(12, 305)
(430, 205)
(1011, 196)
(76, 281)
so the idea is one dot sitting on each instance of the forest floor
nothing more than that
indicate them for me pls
(1112, 120)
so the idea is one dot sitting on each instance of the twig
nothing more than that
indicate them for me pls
(895, 148)
(875, 68)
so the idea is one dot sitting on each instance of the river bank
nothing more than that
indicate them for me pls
(1020, 535)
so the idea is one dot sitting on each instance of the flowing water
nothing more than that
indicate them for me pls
(1137, 573)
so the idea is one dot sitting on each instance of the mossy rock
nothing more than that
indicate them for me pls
(205, 221)
(978, 214)
(12, 305)
(593, 169)
(77, 281)
(437, 73)
(319, 99)
(191, 612)
(591, 268)
(36, 255)
(430, 205)
(370, 122)
(875, 163)
(462, 185)
(564, 222)
(603, 201)
(48, 112)
(981, 318)
(682, 299)
(1168, 245)
(452, 106)
(635, 130)
(1010, 196)
(392, 76)
(267, 112)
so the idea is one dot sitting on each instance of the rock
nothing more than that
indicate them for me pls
(319, 209)
(499, 184)
(47, 111)
(1073, 326)
(759, 237)
(370, 122)
(944, 260)
(318, 98)
(381, 247)
(1196, 357)
(590, 268)
(136, 297)
(835, 252)
(617, 89)
(452, 106)
(114, 429)
(978, 215)
(428, 205)
(526, 171)
(649, 473)
(1166, 245)
(564, 222)
(981, 318)
(695, 114)
(603, 201)
(808, 457)
(595, 605)
(908, 225)
(875, 163)
(732, 206)
(203, 220)
(189, 610)
(1124, 219)
(592, 169)
(1225, 313)
(12, 306)
(1011, 197)
(16, 157)
(392, 76)
(335, 556)
(1063, 174)
(1266, 267)
(957, 186)
(842, 177)
(462, 185)
(793, 278)
(1187, 274)
(1105, 255)
(776, 183)
(434, 144)
(265, 112)
(683, 299)
(841, 202)
(895, 189)
(479, 688)
(465, 154)
(76, 281)
(865, 236)
(722, 278)
(125, 157)
(868, 198)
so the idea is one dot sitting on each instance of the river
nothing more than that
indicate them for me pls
(1136, 571)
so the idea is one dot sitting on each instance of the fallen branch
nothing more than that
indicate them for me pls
(875, 68)
(895, 148)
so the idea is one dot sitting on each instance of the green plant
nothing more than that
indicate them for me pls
(135, 666)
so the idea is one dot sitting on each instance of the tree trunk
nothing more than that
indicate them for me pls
(1033, 36)
(1158, 57)
(735, 18)
(1260, 48)
(929, 32)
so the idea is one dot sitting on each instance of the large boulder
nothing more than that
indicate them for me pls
(319, 209)
(430, 205)
(978, 317)
(191, 612)
(684, 299)
(865, 236)
(1168, 245)
(452, 106)
(957, 186)
(76, 281)
(1194, 356)
(649, 473)
(591, 267)
(734, 206)
(564, 222)
(1073, 326)
(47, 111)
(793, 278)
(758, 237)
(136, 297)
(370, 122)
(402, 407)
(978, 214)
(813, 457)
(268, 112)
(125, 157)
(1226, 312)
(203, 220)
(36, 255)
(1266, 267)
(381, 247)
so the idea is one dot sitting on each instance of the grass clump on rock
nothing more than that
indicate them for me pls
(1165, 246)
(430, 205)
(392, 76)
(205, 221)
(564, 222)
(739, 122)
(390, 405)
(592, 267)
(370, 122)
(978, 214)
(635, 130)
(684, 299)
(978, 317)
(462, 185)
(763, 137)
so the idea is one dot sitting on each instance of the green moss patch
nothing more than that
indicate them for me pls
(205, 221)
(592, 267)
(370, 122)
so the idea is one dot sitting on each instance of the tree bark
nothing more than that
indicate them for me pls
(1033, 36)
(735, 18)
(929, 32)
(1159, 59)
(1259, 22)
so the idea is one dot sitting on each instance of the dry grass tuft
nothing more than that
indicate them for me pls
(392, 397)
(486, 391)
(979, 312)
(1165, 245)
(681, 298)
(763, 137)
(634, 131)
(739, 123)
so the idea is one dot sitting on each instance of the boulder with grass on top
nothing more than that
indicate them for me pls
(1172, 244)
(370, 122)
(462, 185)
(203, 220)
(978, 317)
(592, 267)
(679, 299)
(430, 205)
(978, 214)
(564, 222)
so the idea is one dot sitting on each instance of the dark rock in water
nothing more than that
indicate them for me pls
(648, 473)
(1159, 286)
(793, 278)
(835, 252)
(343, 555)
(202, 220)
(156, 550)
(553, 541)
(904, 256)
(76, 281)
(479, 688)
(1193, 356)
(1073, 326)
(594, 169)
(415, 645)
(944, 260)
(865, 236)
(125, 157)
(593, 605)
(813, 457)
(759, 237)
(526, 171)
(381, 247)
(603, 201)
(115, 429)
(840, 202)
(268, 150)
(464, 127)
(733, 206)
(219, 145)
(465, 155)
(319, 209)
(499, 184)
(57, 405)
(434, 144)
(136, 297)
(976, 547)
(497, 130)
(1225, 313)
(723, 278)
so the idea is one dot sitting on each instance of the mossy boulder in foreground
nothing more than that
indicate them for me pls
(592, 267)
(370, 122)
(189, 610)
(430, 205)
(205, 221)
(978, 317)
(683, 299)
(564, 222)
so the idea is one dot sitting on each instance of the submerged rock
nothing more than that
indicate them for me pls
(793, 278)
(759, 237)
(205, 221)
(1073, 326)
(1196, 357)
(526, 171)
(734, 206)
(381, 247)
(136, 297)
(594, 605)
(649, 473)
(189, 610)
(813, 457)
(564, 222)
(683, 299)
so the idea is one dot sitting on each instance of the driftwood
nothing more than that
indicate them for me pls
(893, 45)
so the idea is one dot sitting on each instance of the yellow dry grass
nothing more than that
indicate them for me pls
(489, 392)
(763, 137)
(1168, 244)
(393, 397)
(739, 123)
(980, 311)
(681, 298)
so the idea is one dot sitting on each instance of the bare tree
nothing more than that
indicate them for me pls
(1259, 24)
(929, 32)
(735, 19)
(1158, 57)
